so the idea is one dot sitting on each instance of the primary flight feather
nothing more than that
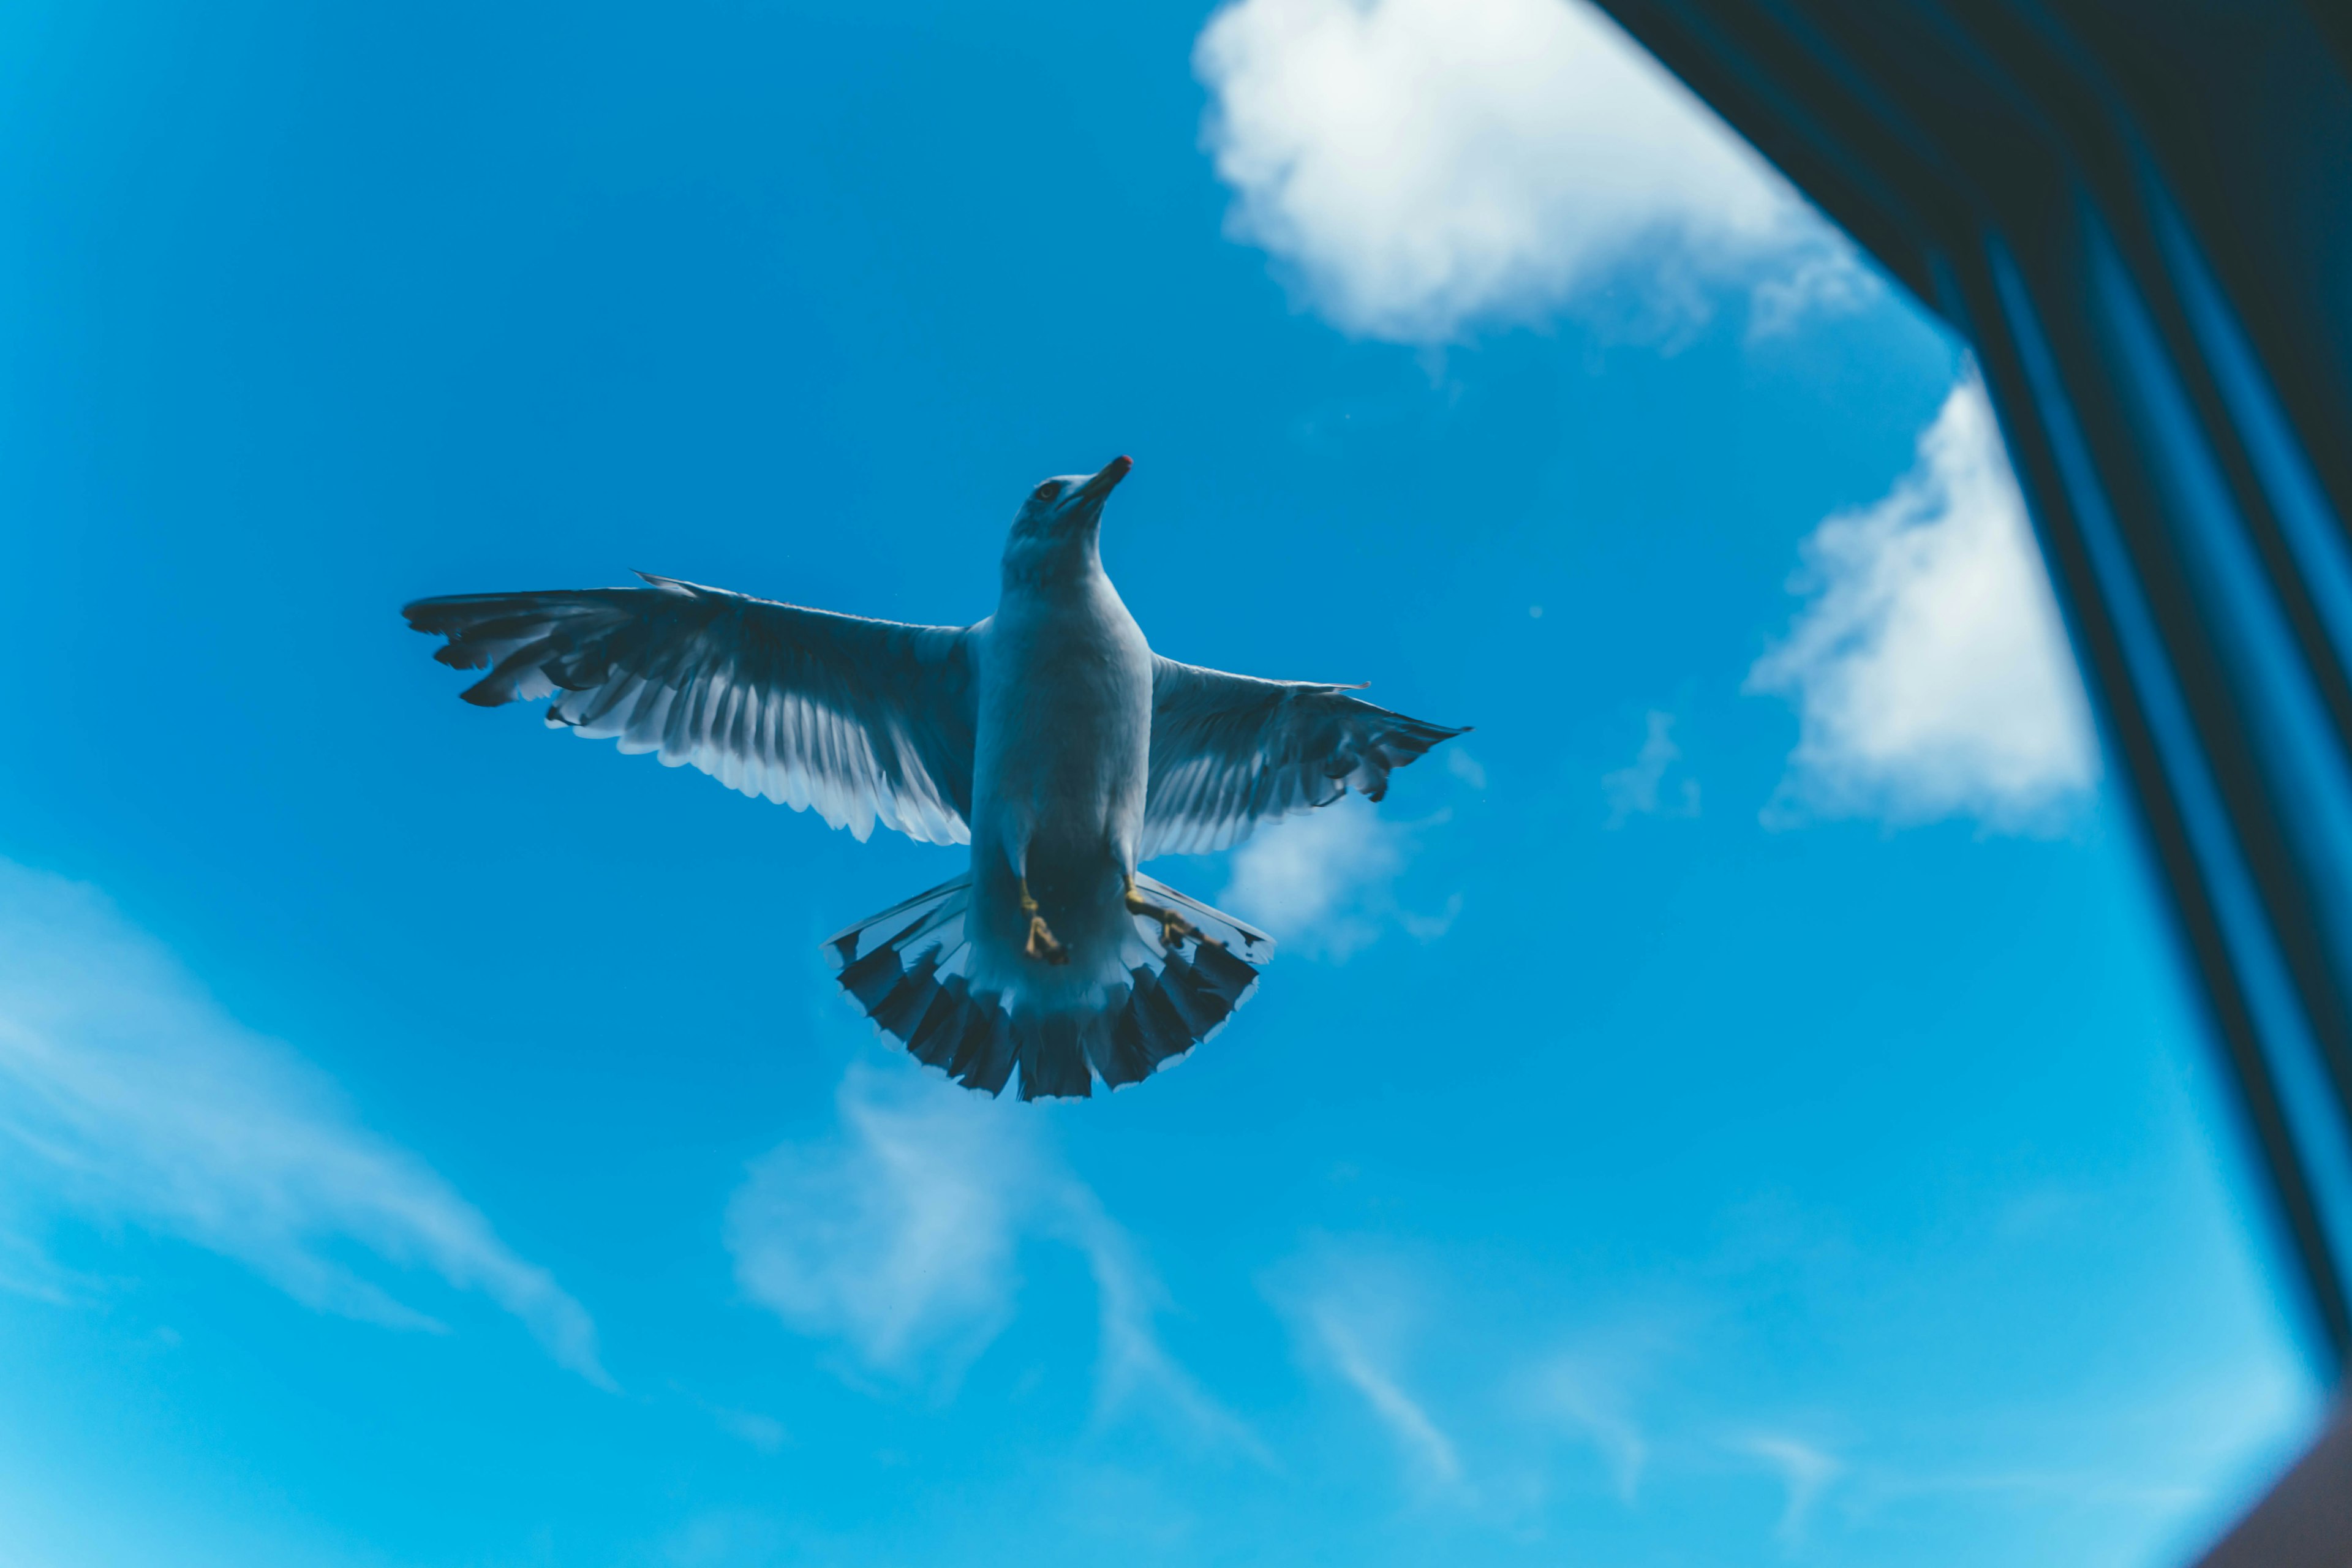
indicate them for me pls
(1049, 737)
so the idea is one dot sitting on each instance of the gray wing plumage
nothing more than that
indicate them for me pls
(1228, 751)
(864, 720)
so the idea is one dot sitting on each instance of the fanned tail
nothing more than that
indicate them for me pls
(909, 968)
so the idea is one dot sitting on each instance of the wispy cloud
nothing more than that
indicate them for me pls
(1323, 883)
(27, 1269)
(1805, 1471)
(1429, 1453)
(1930, 672)
(1587, 1393)
(1681, 1390)
(1352, 1314)
(128, 1095)
(1134, 1367)
(1635, 791)
(764, 1433)
(898, 1236)
(1428, 165)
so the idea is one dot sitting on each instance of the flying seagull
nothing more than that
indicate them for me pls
(1049, 737)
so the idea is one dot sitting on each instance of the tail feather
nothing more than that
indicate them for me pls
(934, 1039)
(1052, 1062)
(904, 1009)
(1116, 1049)
(909, 969)
(1222, 973)
(1177, 992)
(988, 1055)
(1163, 1031)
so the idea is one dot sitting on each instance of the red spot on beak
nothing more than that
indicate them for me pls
(1097, 487)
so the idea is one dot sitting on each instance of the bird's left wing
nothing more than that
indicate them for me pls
(1228, 751)
(863, 719)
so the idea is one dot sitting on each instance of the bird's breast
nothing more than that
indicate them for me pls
(1064, 712)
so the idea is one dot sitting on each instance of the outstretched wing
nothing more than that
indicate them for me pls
(1230, 751)
(862, 719)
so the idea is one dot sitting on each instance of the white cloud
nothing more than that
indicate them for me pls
(1316, 881)
(1805, 1472)
(1586, 1394)
(27, 1269)
(1425, 165)
(1634, 791)
(899, 1237)
(1323, 883)
(127, 1093)
(1441, 1359)
(1353, 1314)
(1429, 1453)
(1132, 1365)
(1820, 279)
(1931, 673)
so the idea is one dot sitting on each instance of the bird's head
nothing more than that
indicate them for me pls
(1054, 531)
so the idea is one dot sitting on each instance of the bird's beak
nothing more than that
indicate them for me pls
(1097, 489)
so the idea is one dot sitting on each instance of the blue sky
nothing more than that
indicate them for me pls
(1739, 1105)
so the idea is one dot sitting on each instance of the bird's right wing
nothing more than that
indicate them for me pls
(864, 720)
(1228, 751)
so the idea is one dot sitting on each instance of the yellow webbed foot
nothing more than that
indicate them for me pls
(1173, 928)
(1042, 945)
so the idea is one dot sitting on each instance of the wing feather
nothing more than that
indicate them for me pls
(1229, 752)
(866, 721)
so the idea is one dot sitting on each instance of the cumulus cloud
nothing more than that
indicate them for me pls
(1930, 672)
(1635, 791)
(1427, 165)
(1323, 883)
(127, 1094)
(899, 1237)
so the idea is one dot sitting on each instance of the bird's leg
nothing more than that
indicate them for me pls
(1042, 944)
(1173, 927)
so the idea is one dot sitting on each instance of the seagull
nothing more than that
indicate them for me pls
(1048, 737)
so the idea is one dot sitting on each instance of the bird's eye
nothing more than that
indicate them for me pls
(1045, 491)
